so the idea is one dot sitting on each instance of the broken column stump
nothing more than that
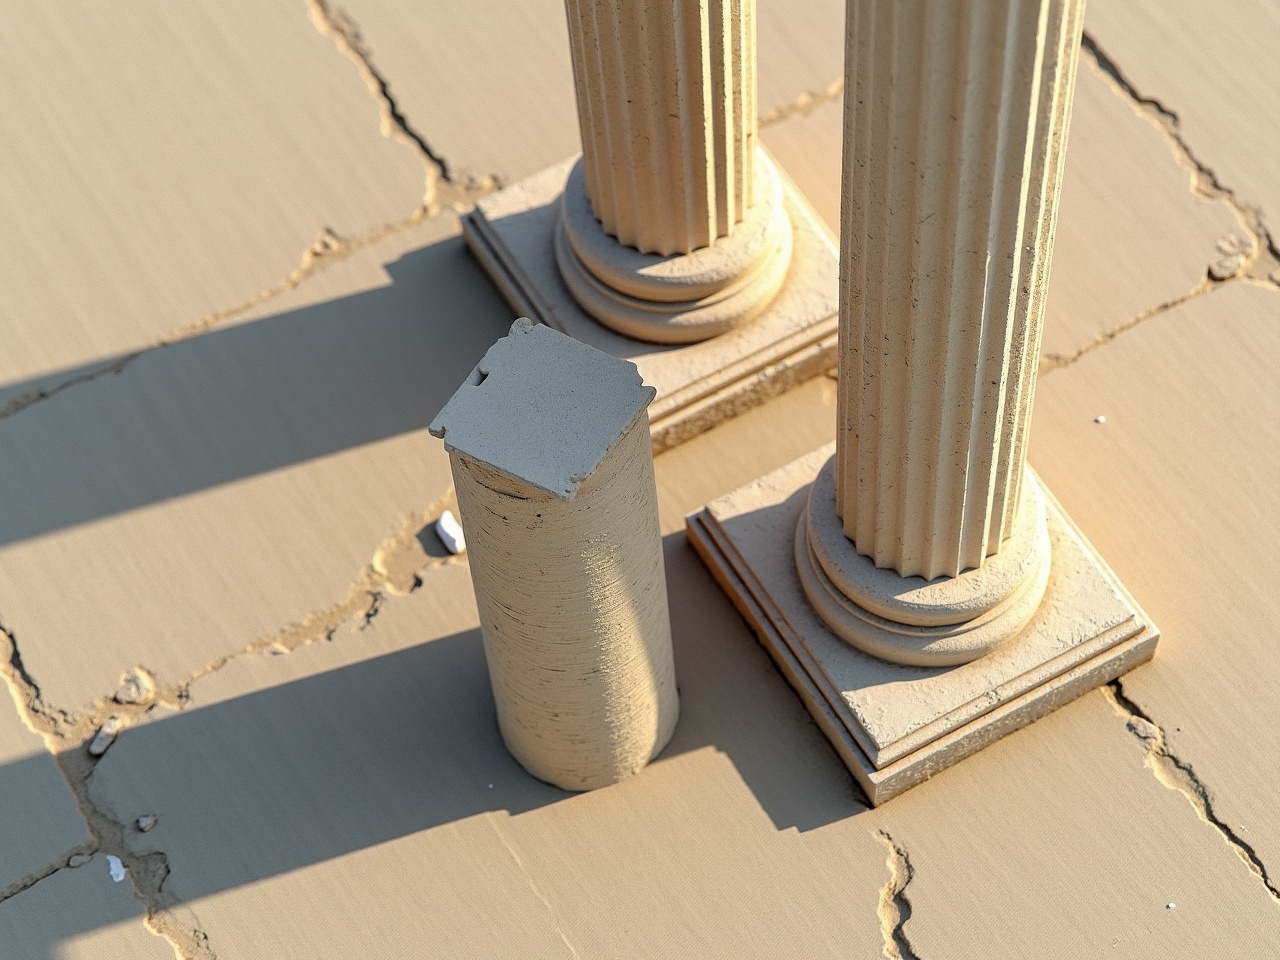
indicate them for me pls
(549, 445)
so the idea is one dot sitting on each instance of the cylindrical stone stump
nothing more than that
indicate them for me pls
(551, 457)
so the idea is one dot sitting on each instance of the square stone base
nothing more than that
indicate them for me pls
(893, 725)
(511, 234)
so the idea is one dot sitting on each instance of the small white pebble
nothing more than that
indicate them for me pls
(105, 736)
(491, 786)
(147, 822)
(1100, 418)
(115, 867)
(1170, 905)
(450, 533)
(79, 860)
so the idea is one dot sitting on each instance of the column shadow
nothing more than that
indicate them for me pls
(250, 398)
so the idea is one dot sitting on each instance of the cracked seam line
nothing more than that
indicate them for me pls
(65, 739)
(533, 886)
(394, 571)
(1205, 183)
(894, 908)
(442, 193)
(44, 873)
(1178, 775)
(804, 104)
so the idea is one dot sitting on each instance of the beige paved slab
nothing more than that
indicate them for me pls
(1131, 233)
(40, 822)
(78, 914)
(1055, 843)
(1178, 491)
(1214, 71)
(356, 795)
(225, 487)
(491, 85)
(172, 162)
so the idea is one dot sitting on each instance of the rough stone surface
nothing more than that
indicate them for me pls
(550, 451)
(1181, 491)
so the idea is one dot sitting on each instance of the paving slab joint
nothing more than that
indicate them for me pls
(894, 908)
(1177, 774)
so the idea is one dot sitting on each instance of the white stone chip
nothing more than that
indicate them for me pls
(105, 736)
(115, 867)
(450, 533)
(147, 822)
(1100, 418)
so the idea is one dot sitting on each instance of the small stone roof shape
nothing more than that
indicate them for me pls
(543, 408)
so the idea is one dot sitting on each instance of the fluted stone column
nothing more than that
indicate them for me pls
(955, 131)
(673, 227)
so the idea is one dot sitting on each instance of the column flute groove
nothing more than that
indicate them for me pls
(700, 242)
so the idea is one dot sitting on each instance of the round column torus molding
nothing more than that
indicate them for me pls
(925, 541)
(680, 298)
(673, 227)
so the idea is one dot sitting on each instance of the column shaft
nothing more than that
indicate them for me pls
(955, 131)
(666, 105)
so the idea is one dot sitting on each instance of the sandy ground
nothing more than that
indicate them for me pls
(235, 297)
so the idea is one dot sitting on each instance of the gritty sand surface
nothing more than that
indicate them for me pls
(236, 296)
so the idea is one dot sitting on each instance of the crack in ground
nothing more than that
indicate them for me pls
(1178, 775)
(1056, 361)
(894, 908)
(533, 886)
(442, 187)
(1261, 262)
(66, 738)
(443, 193)
(804, 104)
(395, 570)
(31, 879)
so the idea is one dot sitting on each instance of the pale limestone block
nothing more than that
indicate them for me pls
(549, 444)
(894, 724)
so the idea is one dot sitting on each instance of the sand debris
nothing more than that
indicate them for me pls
(136, 686)
(79, 860)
